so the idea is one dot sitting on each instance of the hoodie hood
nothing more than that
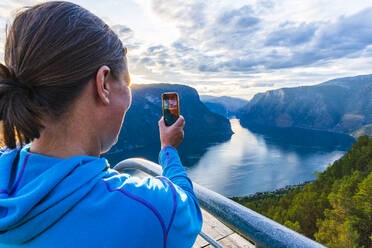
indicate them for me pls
(36, 190)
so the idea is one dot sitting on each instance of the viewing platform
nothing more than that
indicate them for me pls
(220, 233)
(227, 223)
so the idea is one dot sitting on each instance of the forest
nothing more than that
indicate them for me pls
(335, 209)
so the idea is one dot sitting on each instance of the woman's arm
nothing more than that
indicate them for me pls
(186, 219)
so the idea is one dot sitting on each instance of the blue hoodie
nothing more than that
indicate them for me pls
(81, 202)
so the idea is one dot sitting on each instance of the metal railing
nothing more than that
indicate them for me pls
(262, 231)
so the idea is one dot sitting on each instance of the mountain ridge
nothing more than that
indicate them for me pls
(341, 105)
(223, 105)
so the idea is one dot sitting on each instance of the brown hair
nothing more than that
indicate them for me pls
(52, 50)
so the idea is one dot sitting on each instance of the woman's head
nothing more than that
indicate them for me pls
(52, 51)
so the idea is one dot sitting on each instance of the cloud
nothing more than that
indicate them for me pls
(213, 42)
(343, 38)
(241, 18)
(147, 61)
(208, 68)
(122, 30)
(290, 35)
(127, 36)
(264, 5)
(237, 41)
(257, 85)
(186, 13)
(204, 40)
(233, 29)
(349, 34)
(240, 64)
(156, 50)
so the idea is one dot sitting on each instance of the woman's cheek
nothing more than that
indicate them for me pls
(129, 98)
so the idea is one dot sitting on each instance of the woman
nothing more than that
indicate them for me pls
(65, 88)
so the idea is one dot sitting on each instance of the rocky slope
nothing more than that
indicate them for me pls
(223, 105)
(339, 105)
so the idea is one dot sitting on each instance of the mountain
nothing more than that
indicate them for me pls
(365, 130)
(223, 105)
(140, 133)
(340, 105)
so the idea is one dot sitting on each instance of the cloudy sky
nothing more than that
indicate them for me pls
(235, 48)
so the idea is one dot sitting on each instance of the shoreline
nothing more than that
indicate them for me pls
(264, 194)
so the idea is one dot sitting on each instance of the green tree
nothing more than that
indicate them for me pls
(335, 209)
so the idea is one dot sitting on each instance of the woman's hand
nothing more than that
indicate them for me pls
(172, 135)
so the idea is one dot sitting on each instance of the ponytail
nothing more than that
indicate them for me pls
(19, 115)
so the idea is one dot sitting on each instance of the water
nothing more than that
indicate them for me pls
(258, 159)
(255, 162)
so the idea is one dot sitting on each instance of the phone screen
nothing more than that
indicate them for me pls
(171, 110)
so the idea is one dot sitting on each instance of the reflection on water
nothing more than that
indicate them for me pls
(262, 161)
(256, 160)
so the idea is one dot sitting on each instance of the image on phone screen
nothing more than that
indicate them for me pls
(171, 108)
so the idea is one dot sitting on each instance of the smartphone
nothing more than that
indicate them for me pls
(171, 107)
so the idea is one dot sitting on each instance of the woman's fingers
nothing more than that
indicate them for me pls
(180, 122)
(161, 122)
(171, 135)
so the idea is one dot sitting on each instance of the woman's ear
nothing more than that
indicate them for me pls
(102, 84)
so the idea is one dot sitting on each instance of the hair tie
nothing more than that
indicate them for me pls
(16, 84)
